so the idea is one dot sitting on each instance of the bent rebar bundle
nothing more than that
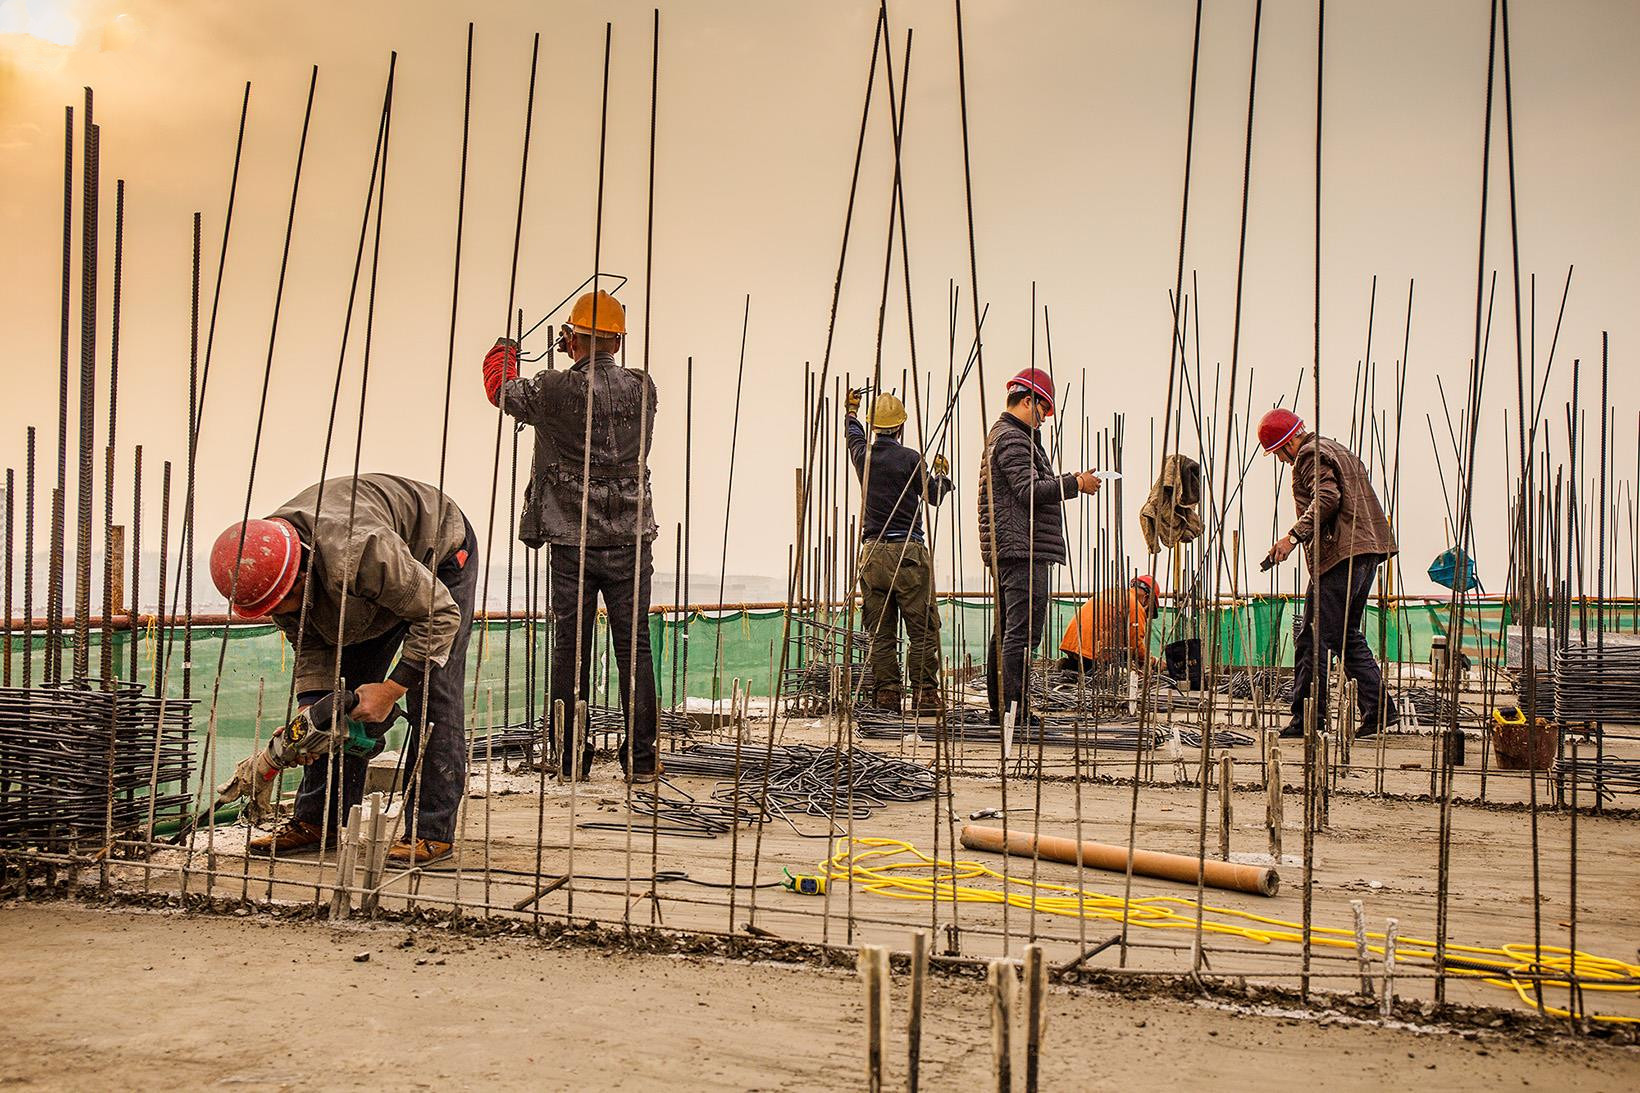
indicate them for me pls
(80, 766)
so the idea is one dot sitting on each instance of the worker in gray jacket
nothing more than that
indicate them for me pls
(1021, 533)
(354, 572)
(590, 504)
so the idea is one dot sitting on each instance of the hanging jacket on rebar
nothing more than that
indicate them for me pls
(1026, 494)
(622, 425)
(1352, 521)
(382, 552)
(1169, 515)
(892, 511)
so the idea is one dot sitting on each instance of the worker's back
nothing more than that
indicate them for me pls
(895, 487)
(616, 478)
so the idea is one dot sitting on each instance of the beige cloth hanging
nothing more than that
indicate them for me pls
(1169, 516)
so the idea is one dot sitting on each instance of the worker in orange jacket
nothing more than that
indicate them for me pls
(1108, 627)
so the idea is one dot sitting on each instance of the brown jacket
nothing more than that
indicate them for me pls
(401, 531)
(1351, 519)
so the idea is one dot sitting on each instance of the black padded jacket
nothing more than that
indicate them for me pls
(1020, 498)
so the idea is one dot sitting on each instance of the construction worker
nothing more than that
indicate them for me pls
(1111, 628)
(895, 569)
(591, 505)
(386, 568)
(1345, 537)
(1021, 533)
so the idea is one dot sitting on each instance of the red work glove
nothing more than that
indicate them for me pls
(500, 365)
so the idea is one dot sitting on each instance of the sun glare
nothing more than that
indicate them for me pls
(44, 20)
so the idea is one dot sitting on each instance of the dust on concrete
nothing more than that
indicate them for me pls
(92, 998)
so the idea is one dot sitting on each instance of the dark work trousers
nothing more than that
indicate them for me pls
(897, 582)
(434, 797)
(609, 574)
(1022, 612)
(1333, 607)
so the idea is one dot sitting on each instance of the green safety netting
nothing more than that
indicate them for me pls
(739, 644)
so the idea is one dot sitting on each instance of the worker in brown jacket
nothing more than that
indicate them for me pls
(1346, 537)
(357, 572)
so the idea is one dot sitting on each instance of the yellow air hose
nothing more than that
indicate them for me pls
(898, 870)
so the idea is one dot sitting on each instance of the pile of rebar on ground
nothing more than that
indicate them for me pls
(760, 784)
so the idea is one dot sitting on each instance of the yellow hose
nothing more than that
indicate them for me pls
(898, 870)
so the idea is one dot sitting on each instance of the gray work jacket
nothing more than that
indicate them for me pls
(623, 427)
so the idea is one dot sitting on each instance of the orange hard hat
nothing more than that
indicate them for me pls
(267, 565)
(610, 319)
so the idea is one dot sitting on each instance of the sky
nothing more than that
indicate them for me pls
(1077, 129)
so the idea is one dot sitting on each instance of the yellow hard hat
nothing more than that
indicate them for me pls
(887, 412)
(611, 315)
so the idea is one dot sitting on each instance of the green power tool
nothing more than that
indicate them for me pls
(317, 730)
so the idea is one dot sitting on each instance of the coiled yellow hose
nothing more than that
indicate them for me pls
(898, 870)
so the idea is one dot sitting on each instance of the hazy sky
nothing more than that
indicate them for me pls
(1077, 121)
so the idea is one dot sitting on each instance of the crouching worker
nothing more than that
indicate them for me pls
(1110, 628)
(385, 570)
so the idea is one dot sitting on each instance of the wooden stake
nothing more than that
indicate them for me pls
(1226, 816)
(1001, 978)
(913, 1027)
(1272, 784)
(872, 964)
(1036, 989)
(1362, 960)
(1387, 1004)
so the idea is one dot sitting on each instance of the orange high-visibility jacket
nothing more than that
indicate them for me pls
(1096, 631)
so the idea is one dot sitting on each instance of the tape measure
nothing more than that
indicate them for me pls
(804, 885)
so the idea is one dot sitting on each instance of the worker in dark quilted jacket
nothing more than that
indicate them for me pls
(1021, 534)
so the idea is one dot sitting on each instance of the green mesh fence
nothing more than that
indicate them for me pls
(702, 657)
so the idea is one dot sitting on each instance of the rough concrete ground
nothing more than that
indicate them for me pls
(95, 999)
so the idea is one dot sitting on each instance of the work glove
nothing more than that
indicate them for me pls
(253, 779)
(942, 466)
(852, 404)
(500, 365)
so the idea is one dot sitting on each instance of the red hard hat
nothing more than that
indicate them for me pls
(268, 564)
(1036, 381)
(1277, 427)
(1150, 583)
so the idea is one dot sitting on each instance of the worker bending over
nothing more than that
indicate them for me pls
(1346, 537)
(1021, 533)
(1111, 627)
(387, 568)
(896, 570)
(589, 502)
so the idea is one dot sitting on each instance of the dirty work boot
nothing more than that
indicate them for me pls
(293, 837)
(930, 702)
(889, 698)
(646, 780)
(423, 852)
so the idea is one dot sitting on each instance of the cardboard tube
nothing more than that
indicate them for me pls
(1258, 880)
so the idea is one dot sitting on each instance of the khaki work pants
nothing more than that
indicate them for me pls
(897, 584)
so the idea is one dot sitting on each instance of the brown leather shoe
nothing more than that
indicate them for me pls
(888, 698)
(294, 837)
(422, 853)
(929, 701)
(646, 779)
